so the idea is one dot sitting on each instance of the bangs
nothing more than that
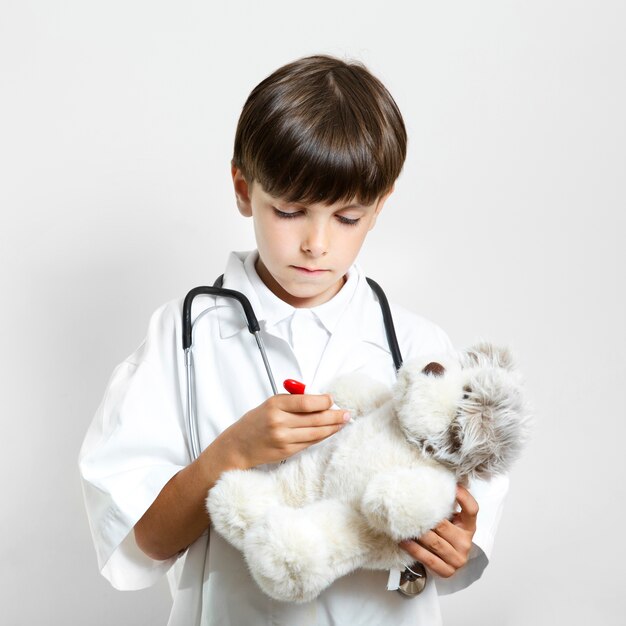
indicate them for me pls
(320, 134)
(337, 160)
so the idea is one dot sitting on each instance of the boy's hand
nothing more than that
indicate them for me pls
(446, 548)
(283, 425)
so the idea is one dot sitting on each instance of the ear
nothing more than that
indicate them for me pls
(497, 356)
(379, 206)
(242, 191)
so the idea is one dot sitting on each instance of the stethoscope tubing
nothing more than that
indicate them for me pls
(253, 327)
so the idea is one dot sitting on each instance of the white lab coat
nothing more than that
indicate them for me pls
(137, 442)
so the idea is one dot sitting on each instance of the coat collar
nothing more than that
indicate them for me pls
(360, 314)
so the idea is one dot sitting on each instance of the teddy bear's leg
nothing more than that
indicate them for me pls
(406, 503)
(294, 554)
(238, 499)
(241, 497)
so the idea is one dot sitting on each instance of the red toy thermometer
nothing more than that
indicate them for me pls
(294, 386)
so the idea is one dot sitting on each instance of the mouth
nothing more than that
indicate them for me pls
(309, 271)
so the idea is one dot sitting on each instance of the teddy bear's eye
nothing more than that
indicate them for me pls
(456, 438)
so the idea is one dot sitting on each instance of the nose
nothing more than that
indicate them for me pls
(316, 240)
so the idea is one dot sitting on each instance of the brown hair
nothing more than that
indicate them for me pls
(321, 130)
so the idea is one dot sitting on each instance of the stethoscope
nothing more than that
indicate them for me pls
(413, 579)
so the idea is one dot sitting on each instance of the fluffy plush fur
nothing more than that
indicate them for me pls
(390, 475)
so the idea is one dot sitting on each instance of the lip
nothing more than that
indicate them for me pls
(309, 271)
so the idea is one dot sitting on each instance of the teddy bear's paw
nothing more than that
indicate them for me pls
(408, 502)
(287, 556)
(237, 500)
(358, 393)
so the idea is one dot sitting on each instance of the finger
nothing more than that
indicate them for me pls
(459, 538)
(303, 439)
(469, 508)
(313, 435)
(303, 403)
(321, 418)
(428, 559)
(439, 546)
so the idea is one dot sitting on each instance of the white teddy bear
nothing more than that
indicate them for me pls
(389, 476)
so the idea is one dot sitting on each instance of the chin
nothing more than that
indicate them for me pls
(306, 294)
(305, 297)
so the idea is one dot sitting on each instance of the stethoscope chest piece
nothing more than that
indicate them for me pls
(412, 580)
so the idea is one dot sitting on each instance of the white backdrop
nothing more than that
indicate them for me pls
(116, 129)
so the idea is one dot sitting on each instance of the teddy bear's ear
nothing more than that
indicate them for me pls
(484, 353)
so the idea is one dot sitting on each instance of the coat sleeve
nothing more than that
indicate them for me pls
(134, 445)
(419, 337)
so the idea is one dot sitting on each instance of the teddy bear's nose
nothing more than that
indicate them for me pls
(434, 368)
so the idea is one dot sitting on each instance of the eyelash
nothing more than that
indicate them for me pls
(343, 220)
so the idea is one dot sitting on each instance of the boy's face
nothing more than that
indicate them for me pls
(304, 251)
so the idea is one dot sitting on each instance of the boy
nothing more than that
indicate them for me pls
(318, 148)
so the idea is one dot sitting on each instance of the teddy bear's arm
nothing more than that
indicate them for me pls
(359, 393)
(407, 502)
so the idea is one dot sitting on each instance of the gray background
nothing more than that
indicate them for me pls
(116, 128)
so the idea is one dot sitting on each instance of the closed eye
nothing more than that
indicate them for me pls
(285, 215)
(348, 221)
